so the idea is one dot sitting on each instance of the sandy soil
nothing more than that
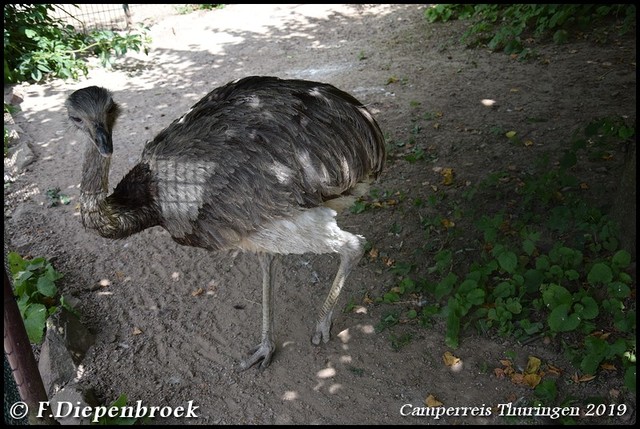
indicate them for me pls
(173, 322)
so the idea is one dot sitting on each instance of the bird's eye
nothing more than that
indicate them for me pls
(75, 119)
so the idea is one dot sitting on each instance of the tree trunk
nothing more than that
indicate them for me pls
(624, 207)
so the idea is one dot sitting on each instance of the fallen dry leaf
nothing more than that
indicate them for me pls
(517, 378)
(431, 401)
(136, 331)
(532, 380)
(582, 379)
(388, 261)
(601, 335)
(552, 369)
(608, 367)
(586, 377)
(449, 359)
(528, 143)
(533, 365)
(197, 292)
(447, 223)
(584, 186)
(367, 300)
(499, 372)
(506, 362)
(373, 253)
(447, 174)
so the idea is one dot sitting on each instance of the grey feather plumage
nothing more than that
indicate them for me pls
(259, 149)
(248, 167)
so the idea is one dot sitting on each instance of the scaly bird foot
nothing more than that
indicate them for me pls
(264, 352)
(323, 331)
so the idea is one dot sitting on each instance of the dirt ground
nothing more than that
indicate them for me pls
(173, 322)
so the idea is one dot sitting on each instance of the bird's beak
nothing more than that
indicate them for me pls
(103, 141)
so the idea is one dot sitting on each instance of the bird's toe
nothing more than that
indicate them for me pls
(322, 333)
(264, 352)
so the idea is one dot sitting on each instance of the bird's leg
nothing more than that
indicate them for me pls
(267, 347)
(350, 254)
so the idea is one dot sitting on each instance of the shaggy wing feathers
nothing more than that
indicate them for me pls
(257, 150)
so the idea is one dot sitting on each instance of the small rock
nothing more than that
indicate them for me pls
(78, 398)
(18, 158)
(65, 345)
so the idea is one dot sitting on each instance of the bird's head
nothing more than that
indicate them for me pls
(93, 111)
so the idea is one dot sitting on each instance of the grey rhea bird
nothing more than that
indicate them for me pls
(256, 165)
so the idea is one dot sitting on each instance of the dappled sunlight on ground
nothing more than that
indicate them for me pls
(172, 322)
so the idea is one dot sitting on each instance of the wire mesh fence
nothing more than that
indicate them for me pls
(89, 17)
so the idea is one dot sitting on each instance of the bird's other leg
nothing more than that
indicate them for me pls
(267, 347)
(350, 253)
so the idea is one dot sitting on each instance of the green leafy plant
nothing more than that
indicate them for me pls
(376, 199)
(507, 27)
(546, 394)
(447, 12)
(359, 206)
(188, 8)
(548, 264)
(37, 45)
(399, 341)
(356, 371)
(121, 402)
(56, 197)
(387, 320)
(35, 289)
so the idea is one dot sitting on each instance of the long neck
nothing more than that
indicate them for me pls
(117, 215)
(95, 175)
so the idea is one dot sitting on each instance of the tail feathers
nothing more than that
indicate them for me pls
(341, 203)
(345, 201)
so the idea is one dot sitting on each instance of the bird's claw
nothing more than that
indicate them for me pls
(323, 332)
(264, 352)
